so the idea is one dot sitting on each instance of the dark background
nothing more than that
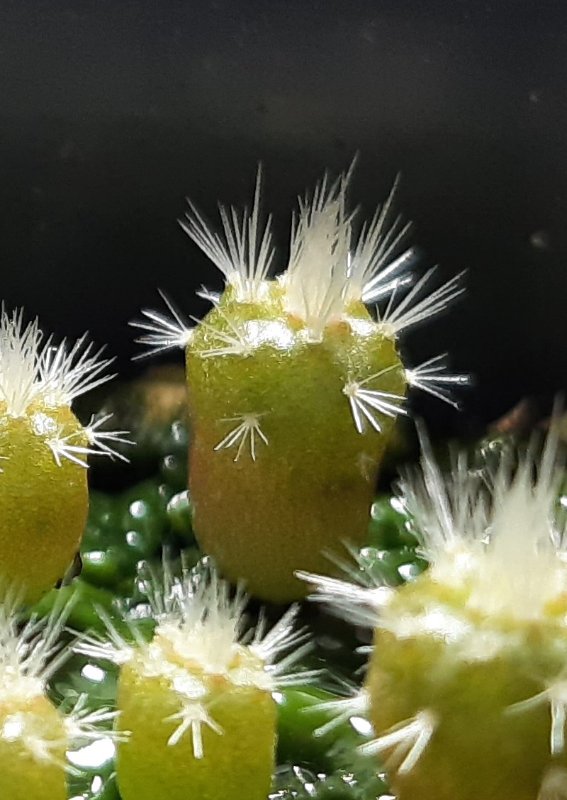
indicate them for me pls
(112, 112)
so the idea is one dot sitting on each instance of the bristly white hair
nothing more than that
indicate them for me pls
(501, 532)
(406, 742)
(245, 253)
(32, 653)
(66, 372)
(450, 512)
(19, 356)
(204, 626)
(367, 403)
(32, 369)
(317, 278)
(432, 378)
(99, 442)
(415, 308)
(162, 330)
(329, 269)
(244, 435)
(375, 265)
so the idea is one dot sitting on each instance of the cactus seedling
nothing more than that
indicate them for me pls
(34, 735)
(196, 700)
(294, 387)
(43, 485)
(466, 686)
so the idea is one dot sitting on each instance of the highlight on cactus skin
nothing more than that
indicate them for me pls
(294, 386)
(196, 701)
(467, 681)
(35, 736)
(44, 450)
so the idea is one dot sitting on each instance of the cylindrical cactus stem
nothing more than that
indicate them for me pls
(43, 484)
(294, 387)
(467, 682)
(287, 439)
(196, 703)
(231, 751)
(35, 736)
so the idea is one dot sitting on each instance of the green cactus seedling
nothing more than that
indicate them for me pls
(196, 701)
(35, 736)
(294, 386)
(467, 682)
(43, 484)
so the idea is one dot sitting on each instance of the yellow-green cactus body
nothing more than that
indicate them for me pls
(43, 503)
(32, 751)
(294, 387)
(470, 674)
(196, 703)
(44, 450)
(237, 759)
(35, 736)
(466, 687)
(299, 482)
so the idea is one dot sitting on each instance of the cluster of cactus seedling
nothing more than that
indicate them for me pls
(294, 386)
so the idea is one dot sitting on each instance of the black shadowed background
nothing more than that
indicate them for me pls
(112, 112)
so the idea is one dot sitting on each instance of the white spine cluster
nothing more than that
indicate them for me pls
(376, 267)
(406, 741)
(33, 369)
(244, 254)
(162, 331)
(64, 445)
(366, 402)
(203, 626)
(34, 372)
(245, 435)
(317, 277)
(330, 268)
(30, 654)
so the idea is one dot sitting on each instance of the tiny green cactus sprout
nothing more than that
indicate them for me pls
(293, 386)
(35, 736)
(197, 700)
(43, 485)
(467, 681)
